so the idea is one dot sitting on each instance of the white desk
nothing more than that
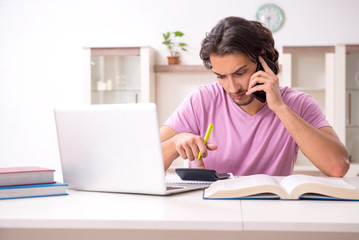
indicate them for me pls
(89, 215)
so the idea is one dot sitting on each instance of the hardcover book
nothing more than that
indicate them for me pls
(292, 187)
(37, 190)
(25, 175)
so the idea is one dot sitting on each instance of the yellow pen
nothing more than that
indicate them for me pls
(208, 134)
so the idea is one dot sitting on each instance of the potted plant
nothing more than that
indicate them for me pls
(173, 46)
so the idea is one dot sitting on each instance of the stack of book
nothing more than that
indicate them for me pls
(23, 182)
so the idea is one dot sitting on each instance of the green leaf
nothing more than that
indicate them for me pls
(181, 44)
(167, 42)
(178, 34)
(166, 36)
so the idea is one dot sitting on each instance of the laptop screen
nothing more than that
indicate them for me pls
(112, 147)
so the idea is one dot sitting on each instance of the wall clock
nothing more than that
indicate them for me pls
(271, 16)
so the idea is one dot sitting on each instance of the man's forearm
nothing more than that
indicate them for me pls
(169, 153)
(322, 147)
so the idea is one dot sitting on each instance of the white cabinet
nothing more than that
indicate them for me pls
(118, 75)
(347, 89)
(311, 69)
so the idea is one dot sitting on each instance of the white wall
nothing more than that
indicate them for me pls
(41, 51)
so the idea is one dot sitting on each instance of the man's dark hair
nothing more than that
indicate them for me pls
(237, 35)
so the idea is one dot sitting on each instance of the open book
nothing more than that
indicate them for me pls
(263, 186)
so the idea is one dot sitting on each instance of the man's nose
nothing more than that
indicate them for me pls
(233, 87)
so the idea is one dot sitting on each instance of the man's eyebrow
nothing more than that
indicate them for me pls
(239, 69)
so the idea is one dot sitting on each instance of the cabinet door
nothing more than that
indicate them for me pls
(351, 80)
(118, 75)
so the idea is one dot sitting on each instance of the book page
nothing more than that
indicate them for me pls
(291, 182)
(244, 186)
(246, 181)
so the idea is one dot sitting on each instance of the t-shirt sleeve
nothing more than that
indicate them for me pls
(312, 113)
(185, 118)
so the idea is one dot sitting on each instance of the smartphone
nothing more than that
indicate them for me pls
(261, 95)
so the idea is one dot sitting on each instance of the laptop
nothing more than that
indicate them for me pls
(113, 148)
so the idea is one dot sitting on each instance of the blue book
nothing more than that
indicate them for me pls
(35, 190)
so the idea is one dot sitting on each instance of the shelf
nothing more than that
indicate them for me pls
(352, 48)
(115, 51)
(119, 90)
(308, 49)
(181, 69)
(353, 89)
(309, 89)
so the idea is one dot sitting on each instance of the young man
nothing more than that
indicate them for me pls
(249, 136)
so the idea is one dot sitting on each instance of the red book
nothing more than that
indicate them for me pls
(13, 176)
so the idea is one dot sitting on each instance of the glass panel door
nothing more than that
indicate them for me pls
(352, 105)
(115, 79)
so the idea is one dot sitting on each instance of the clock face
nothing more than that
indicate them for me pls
(271, 16)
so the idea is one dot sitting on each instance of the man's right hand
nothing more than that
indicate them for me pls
(189, 145)
(186, 145)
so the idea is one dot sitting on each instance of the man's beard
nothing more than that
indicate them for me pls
(250, 99)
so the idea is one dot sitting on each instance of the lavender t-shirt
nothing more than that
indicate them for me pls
(246, 144)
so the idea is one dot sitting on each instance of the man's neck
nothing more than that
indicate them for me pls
(253, 107)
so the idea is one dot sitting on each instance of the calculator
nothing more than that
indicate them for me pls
(199, 174)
